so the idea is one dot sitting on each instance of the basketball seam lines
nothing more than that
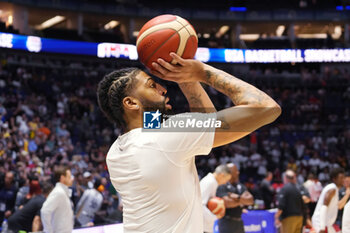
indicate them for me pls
(185, 27)
(157, 30)
(189, 33)
(149, 57)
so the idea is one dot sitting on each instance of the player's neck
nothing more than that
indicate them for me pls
(133, 123)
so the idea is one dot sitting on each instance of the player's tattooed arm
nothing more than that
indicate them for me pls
(197, 98)
(240, 92)
(253, 108)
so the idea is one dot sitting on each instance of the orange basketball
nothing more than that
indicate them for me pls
(164, 34)
(216, 205)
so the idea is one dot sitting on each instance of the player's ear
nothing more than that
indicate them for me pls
(131, 103)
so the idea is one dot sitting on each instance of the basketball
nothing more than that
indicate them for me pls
(164, 34)
(216, 205)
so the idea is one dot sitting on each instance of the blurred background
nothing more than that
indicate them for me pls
(49, 114)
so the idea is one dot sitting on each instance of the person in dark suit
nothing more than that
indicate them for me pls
(235, 196)
(290, 206)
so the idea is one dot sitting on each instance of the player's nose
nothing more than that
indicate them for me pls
(161, 89)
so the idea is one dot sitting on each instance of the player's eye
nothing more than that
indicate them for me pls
(153, 85)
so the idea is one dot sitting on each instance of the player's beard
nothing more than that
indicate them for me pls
(149, 106)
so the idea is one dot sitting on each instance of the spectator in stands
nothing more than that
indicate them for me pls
(344, 194)
(28, 218)
(87, 181)
(8, 191)
(305, 195)
(56, 212)
(290, 206)
(236, 196)
(88, 205)
(267, 191)
(328, 204)
(314, 188)
(209, 185)
(34, 189)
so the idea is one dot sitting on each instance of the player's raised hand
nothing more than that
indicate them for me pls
(185, 70)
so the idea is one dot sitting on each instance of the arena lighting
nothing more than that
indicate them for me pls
(341, 8)
(222, 31)
(337, 32)
(239, 9)
(128, 51)
(10, 20)
(50, 22)
(280, 29)
(249, 36)
(135, 33)
(316, 36)
(112, 24)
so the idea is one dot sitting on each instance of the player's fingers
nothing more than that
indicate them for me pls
(160, 68)
(158, 74)
(167, 65)
(178, 59)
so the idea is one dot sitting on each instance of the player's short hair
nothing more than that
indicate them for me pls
(60, 171)
(222, 169)
(335, 172)
(111, 91)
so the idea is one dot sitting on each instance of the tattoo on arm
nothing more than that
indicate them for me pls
(240, 92)
(195, 101)
(197, 97)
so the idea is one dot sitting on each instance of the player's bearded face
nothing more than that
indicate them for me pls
(154, 106)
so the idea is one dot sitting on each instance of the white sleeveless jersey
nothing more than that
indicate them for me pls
(156, 176)
(332, 210)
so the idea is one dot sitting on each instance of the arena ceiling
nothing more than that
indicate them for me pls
(37, 16)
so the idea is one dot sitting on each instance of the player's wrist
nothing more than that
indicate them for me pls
(207, 73)
(200, 72)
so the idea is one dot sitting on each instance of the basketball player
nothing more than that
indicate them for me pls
(208, 185)
(155, 172)
(327, 206)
